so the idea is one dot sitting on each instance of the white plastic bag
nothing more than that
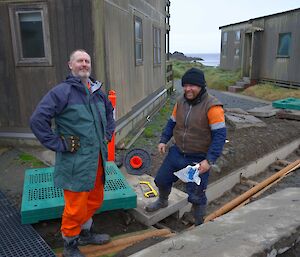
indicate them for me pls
(189, 174)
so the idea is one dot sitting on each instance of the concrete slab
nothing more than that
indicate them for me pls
(288, 114)
(264, 111)
(177, 200)
(226, 183)
(240, 120)
(236, 110)
(262, 228)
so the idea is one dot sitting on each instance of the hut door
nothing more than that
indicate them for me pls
(248, 55)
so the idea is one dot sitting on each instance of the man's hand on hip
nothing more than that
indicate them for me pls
(72, 143)
(161, 148)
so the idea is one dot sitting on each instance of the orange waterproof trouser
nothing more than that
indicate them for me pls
(81, 206)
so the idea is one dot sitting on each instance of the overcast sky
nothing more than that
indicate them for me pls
(195, 23)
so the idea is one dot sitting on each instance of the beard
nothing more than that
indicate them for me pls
(84, 74)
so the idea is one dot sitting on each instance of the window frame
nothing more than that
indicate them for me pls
(289, 46)
(237, 35)
(156, 46)
(237, 52)
(224, 37)
(138, 41)
(224, 44)
(14, 11)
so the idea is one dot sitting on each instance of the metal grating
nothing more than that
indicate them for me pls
(2, 196)
(17, 239)
(44, 193)
(42, 201)
(115, 184)
(6, 210)
(40, 178)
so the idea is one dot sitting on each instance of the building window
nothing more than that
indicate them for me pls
(138, 42)
(238, 35)
(30, 34)
(156, 46)
(224, 38)
(284, 44)
(224, 44)
(224, 50)
(237, 53)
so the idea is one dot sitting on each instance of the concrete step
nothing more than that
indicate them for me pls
(178, 202)
(235, 89)
(241, 84)
(247, 80)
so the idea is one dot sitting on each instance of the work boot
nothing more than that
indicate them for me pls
(71, 247)
(161, 202)
(87, 237)
(199, 211)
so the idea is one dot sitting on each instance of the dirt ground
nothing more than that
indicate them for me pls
(244, 146)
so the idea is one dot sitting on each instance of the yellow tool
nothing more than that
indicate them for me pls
(152, 192)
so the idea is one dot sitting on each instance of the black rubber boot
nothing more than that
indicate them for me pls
(71, 247)
(87, 237)
(161, 202)
(199, 211)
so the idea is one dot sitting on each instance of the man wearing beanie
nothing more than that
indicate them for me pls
(197, 124)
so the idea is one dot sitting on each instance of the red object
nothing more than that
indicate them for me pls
(111, 145)
(136, 162)
(81, 206)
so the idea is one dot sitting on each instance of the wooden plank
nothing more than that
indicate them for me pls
(121, 243)
(88, 28)
(69, 30)
(79, 23)
(9, 103)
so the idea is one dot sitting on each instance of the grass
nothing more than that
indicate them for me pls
(216, 78)
(157, 124)
(180, 67)
(271, 92)
(219, 79)
(30, 160)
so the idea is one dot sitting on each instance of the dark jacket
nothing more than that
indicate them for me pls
(191, 130)
(79, 113)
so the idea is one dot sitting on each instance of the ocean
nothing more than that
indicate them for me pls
(209, 59)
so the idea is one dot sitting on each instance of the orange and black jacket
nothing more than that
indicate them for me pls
(197, 127)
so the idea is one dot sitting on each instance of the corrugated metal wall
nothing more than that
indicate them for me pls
(133, 83)
(21, 87)
(106, 30)
(272, 66)
(259, 44)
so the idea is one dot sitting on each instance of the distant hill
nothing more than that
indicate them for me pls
(180, 56)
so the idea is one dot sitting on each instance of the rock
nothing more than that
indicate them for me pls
(180, 56)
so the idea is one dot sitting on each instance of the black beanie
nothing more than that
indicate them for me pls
(195, 77)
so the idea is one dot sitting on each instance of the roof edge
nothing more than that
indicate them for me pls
(250, 20)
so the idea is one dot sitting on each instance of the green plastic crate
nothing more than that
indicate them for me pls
(42, 201)
(287, 103)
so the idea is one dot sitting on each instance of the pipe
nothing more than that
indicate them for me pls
(238, 200)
